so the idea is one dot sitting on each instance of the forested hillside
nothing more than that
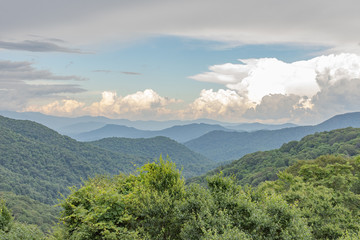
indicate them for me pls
(260, 166)
(40, 163)
(151, 148)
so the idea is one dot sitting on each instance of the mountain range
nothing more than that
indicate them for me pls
(261, 166)
(179, 133)
(223, 146)
(77, 125)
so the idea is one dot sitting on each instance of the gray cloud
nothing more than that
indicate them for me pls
(274, 106)
(131, 73)
(102, 71)
(109, 71)
(37, 46)
(318, 22)
(20, 71)
(340, 97)
(16, 92)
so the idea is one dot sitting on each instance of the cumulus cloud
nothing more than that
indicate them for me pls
(340, 97)
(323, 85)
(63, 107)
(145, 104)
(279, 106)
(218, 104)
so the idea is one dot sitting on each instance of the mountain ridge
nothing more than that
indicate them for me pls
(224, 146)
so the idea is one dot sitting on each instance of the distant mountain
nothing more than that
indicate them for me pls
(112, 130)
(40, 163)
(63, 125)
(250, 127)
(152, 148)
(257, 167)
(179, 133)
(223, 146)
(77, 128)
(72, 126)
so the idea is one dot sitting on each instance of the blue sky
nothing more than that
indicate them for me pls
(157, 60)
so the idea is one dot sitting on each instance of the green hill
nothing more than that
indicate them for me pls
(40, 163)
(151, 148)
(261, 166)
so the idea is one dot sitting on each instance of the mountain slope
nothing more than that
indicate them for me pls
(40, 163)
(262, 166)
(37, 162)
(152, 148)
(223, 146)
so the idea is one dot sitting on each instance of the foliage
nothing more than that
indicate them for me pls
(323, 190)
(193, 164)
(14, 230)
(155, 204)
(27, 210)
(5, 217)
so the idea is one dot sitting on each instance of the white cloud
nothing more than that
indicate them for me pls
(145, 104)
(60, 108)
(223, 104)
(324, 85)
(256, 78)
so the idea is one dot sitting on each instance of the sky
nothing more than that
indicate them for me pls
(270, 61)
